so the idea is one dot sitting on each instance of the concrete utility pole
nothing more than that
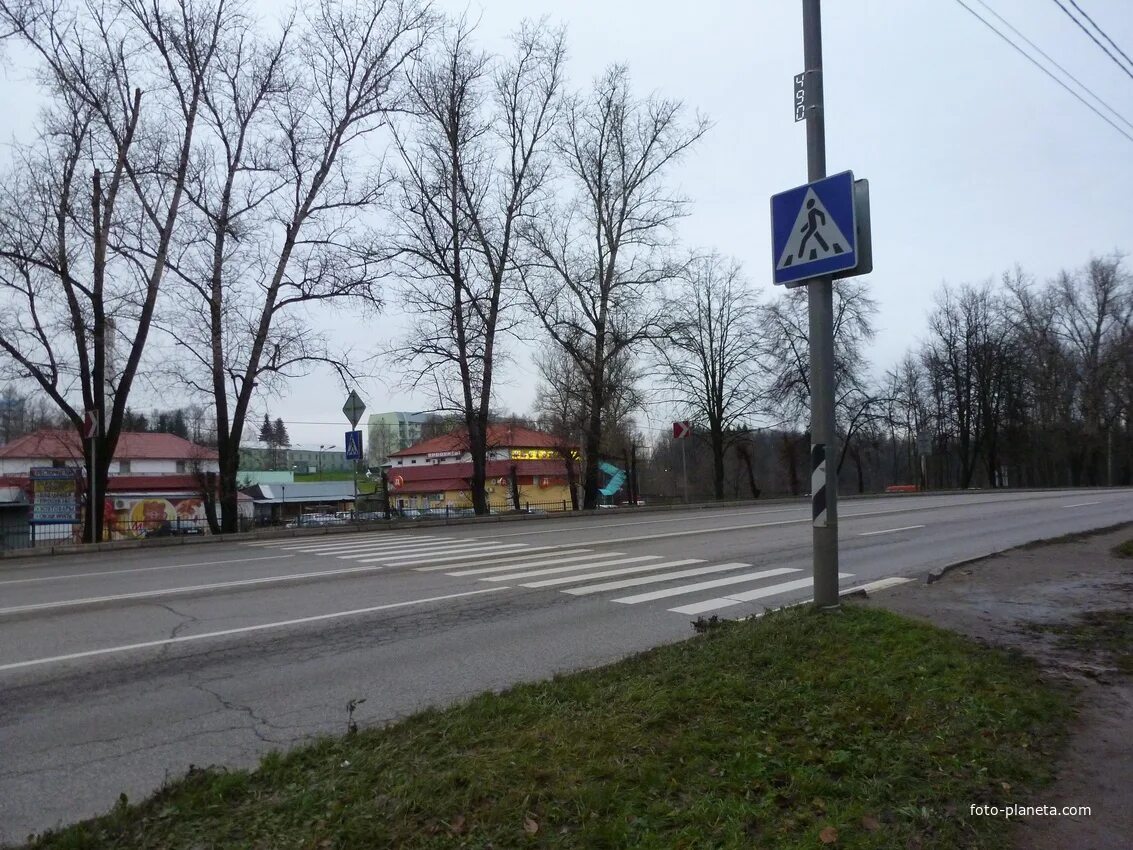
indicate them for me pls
(820, 292)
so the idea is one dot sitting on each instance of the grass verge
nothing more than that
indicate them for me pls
(1124, 550)
(857, 730)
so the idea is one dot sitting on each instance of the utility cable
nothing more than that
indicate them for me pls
(1093, 38)
(1103, 32)
(1052, 61)
(1045, 70)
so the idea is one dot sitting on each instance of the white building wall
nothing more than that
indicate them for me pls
(21, 466)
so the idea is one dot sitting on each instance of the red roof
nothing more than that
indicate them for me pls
(435, 477)
(132, 445)
(499, 436)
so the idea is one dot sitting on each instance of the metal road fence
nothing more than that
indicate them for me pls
(22, 535)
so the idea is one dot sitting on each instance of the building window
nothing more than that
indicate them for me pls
(123, 466)
(181, 466)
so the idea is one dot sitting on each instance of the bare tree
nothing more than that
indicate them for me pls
(1095, 305)
(786, 357)
(279, 212)
(81, 263)
(711, 359)
(601, 253)
(475, 164)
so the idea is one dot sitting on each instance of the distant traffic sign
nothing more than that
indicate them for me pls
(681, 430)
(354, 408)
(814, 229)
(353, 445)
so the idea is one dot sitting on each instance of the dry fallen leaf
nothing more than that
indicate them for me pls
(870, 823)
(829, 835)
(530, 825)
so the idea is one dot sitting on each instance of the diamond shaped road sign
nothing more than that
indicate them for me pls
(681, 430)
(814, 229)
(354, 408)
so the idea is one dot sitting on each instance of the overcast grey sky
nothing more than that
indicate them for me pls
(976, 160)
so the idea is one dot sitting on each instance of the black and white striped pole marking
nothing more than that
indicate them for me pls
(818, 485)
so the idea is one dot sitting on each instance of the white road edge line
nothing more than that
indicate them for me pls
(748, 596)
(145, 569)
(880, 584)
(241, 630)
(1081, 504)
(172, 591)
(889, 530)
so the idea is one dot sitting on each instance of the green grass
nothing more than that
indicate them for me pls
(755, 734)
(1109, 633)
(329, 475)
(1124, 550)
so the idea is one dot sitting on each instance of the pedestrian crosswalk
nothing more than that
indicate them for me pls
(692, 586)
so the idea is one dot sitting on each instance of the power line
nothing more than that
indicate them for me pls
(1093, 37)
(1052, 61)
(1045, 70)
(1103, 32)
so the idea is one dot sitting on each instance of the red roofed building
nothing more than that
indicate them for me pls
(138, 453)
(153, 477)
(437, 473)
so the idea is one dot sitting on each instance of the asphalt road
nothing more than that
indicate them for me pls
(119, 670)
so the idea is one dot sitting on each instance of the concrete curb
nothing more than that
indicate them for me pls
(940, 573)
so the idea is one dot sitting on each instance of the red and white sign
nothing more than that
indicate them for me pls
(90, 424)
(681, 430)
(397, 481)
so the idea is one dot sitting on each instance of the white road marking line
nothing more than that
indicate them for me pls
(869, 587)
(357, 544)
(551, 582)
(634, 582)
(748, 596)
(456, 557)
(411, 549)
(704, 585)
(145, 569)
(573, 555)
(173, 591)
(241, 630)
(574, 568)
(307, 540)
(1082, 504)
(685, 518)
(744, 527)
(889, 530)
(478, 560)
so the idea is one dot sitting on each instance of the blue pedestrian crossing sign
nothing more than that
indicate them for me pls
(353, 445)
(814, 229)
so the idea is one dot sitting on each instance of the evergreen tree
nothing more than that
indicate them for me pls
(281, 437)
(267, 432)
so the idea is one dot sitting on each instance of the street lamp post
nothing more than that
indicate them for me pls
(319, 460)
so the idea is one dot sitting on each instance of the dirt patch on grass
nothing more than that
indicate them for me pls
(1067, 605)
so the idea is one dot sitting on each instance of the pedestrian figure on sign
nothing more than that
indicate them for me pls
(810, 229)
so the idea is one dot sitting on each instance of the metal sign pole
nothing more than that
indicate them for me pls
(820, 291)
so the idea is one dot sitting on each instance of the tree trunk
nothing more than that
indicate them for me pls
(716, 436)
(477, 446)
(229, 460)
(745, 456)
(513, 475)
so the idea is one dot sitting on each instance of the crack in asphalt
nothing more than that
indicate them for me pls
(256, 719)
